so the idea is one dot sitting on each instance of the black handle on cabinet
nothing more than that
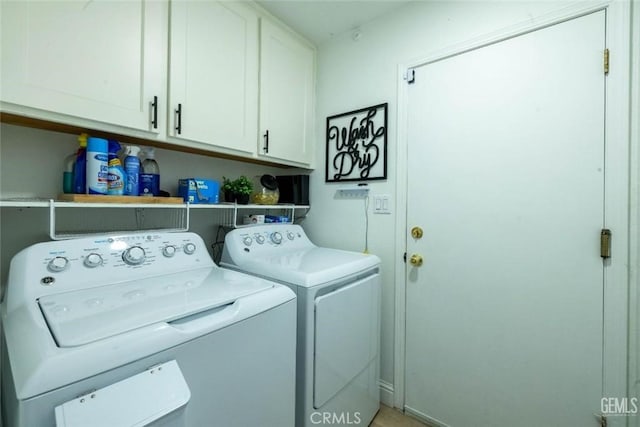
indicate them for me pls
(266, 142)
(154, 108)
(179, 119)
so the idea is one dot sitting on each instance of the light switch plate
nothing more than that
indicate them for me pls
(381, 204)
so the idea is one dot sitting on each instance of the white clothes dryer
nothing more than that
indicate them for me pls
(338, 318)
(143, 329)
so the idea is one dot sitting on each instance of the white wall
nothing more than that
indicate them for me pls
(357, 73)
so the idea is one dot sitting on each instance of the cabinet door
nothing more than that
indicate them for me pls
(286, 96)
(95, 60)
(213, 77)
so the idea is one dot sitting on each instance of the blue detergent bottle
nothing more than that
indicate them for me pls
(132, 169)
(117, 176)
(80, 167)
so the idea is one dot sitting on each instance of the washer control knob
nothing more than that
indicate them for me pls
(134, 255)
(57, 264)
(290, 235)
(247, 240)
(189, 248)
(276, 237)
(259, 239)
(169, 251)
(93, 260)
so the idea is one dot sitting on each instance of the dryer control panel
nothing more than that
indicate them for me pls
(266, 239)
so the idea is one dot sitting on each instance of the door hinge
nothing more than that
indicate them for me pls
(404, 257)
(410, 76)
(605, 243)
(606, 62)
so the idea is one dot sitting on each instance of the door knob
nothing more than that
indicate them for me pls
(416, 232)
(416, 260)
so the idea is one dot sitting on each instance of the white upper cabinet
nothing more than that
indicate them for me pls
(213, 74)
(286, 96)
(97, 60)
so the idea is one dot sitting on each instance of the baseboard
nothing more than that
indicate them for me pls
(386, 393)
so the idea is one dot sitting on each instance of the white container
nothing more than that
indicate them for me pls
(253, 219)
(97, 166)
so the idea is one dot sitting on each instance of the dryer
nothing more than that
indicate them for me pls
(338, 318)
(143, 329)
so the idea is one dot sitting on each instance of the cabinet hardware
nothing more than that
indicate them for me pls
(154, 108)
(179, 119)
(266, 142)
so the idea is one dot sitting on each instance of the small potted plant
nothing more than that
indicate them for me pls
(238, 190)
(227, 190)
(242, 187)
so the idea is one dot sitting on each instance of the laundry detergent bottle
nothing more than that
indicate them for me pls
(80, 166)
(97, 165)
(132, 169)
(117, 176)
(150, 176)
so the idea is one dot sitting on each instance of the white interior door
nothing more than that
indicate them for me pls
(506, 178)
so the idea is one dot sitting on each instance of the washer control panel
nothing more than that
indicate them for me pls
(94, 261)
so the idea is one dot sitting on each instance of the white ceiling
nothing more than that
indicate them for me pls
(320, 20)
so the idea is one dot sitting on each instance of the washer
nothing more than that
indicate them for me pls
(143, 329)
(338, 318)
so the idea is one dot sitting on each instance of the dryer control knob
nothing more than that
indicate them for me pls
(290, 235)
(276, 238)
(189, 248)
(169, 251)
(93, 260)
(247, 240)
(259, 239)
(57, 264)
(134, 255)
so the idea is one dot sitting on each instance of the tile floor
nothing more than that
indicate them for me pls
(389, 417)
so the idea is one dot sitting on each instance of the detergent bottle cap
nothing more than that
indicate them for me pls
(114, 146)
(82, 139)
(150, 152)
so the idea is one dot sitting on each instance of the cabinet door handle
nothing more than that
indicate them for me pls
(179, 119)
(266, 142)
(154, 108)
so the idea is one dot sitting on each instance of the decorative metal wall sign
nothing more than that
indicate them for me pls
(357, 145)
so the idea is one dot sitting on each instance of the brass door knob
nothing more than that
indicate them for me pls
(416, 232)
(416, 260)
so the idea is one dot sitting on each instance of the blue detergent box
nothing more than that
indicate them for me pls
(268, 219)
(199, 190)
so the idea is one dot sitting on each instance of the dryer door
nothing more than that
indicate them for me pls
(346, 336)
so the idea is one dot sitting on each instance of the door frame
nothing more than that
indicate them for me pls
(617, 210)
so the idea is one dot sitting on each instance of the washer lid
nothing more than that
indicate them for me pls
(307, 267)
(80, 317)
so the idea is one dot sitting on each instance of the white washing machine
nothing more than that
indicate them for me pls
(338, 318)
(143, 329)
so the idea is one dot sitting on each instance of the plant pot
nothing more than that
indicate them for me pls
(229, 196)
(242, 199)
